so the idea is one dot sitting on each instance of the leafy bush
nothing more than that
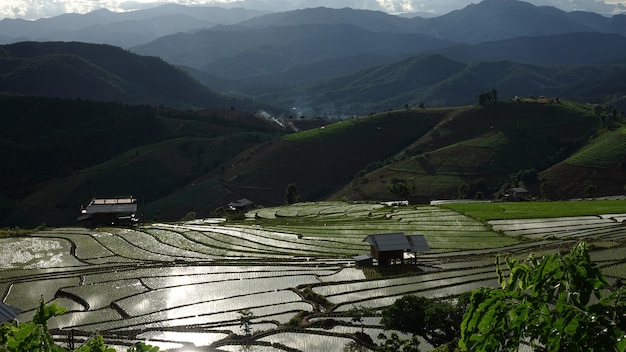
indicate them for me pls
(557, 303)
(34, 336)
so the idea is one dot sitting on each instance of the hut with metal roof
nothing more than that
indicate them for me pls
(109, 211)
(390, 248)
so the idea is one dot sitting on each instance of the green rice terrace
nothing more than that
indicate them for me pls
(182, 286)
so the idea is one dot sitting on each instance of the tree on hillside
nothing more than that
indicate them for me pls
(291, 194)
(399, 188)
(590, 190)
(556, 303)
(528, 176)
(546, 189)
(462, 190)
(485, 98)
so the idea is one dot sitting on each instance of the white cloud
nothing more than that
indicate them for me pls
(32, 9)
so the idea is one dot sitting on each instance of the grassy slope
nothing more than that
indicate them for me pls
(322, 160)
(532, 210)
(474, 143)
(601, 163)
(102, 73)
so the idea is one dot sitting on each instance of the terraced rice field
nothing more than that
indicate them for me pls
(183, 285)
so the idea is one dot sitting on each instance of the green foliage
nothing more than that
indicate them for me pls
(353, 346)
(394, 343)
(462, 190)
(95, 344)
(436, 321)
(142, 347)
(556, 303)
(528, 176)
(310, 295)
(590, 190)
(485, 98)
(529, 210)
(358, 313)
(399, 188)
(35, 336)
(189, 216)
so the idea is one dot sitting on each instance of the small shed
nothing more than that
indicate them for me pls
(363, 260)
(516, 194)
(7, 312)
(109, 211)
(389, 248)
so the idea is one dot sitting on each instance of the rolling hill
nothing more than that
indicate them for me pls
(198, 161)
(432, 151)
(436, 80)
(61, 153)
(236, 52)
(102, 73)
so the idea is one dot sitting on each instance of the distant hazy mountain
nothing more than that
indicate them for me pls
(492, 20)
(559, 49)
(103, 73)
(241, 53)
(374, 21)
(124, 29)
(284, 50)
(435, 80)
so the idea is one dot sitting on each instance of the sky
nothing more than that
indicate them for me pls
(34, 9)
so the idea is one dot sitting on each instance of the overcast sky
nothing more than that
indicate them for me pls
(33, 9)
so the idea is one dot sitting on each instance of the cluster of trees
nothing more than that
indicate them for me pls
(490, 97)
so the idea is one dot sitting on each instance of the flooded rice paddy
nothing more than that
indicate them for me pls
(183, 286)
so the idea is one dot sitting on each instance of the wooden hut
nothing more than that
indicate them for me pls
(390, 248)
(109, 211)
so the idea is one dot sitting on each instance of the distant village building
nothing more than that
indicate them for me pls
(109, 211)
(516, 194)
(390, 248)
(240, 205)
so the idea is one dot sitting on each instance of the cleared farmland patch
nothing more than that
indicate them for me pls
(578, 227)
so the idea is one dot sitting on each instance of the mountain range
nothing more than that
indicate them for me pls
(125, 29)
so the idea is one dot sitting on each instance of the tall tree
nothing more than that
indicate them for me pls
(291, 194)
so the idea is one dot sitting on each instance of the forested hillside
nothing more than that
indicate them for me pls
(60, 153)
(103, 73)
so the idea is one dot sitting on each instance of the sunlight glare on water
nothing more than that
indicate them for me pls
(35, 253)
